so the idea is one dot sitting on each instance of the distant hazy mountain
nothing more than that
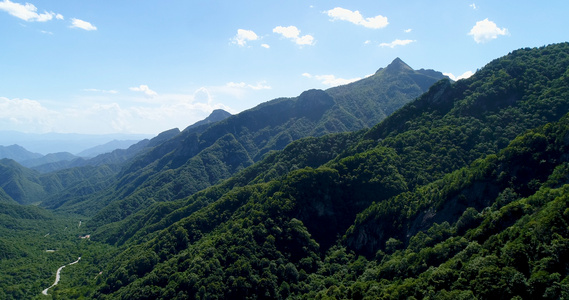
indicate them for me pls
(49, 158)
(17, 153)
(118, 155)
(62, 142)
(108, 147)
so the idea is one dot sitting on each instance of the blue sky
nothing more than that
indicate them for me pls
(148, 66)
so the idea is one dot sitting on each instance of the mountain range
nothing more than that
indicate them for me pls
(37, 161)
(401, 185)
(205, 154)
(52, 142)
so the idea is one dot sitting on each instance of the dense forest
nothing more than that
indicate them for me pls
(461, 193)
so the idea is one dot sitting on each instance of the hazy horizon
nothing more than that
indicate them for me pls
(46, 143)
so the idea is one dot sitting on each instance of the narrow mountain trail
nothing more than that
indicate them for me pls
(57, 275)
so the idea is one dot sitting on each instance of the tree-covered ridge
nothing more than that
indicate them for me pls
(520, 169)
(327, 199)
(390, 87)
(454, 124)
(201, 156)
(495, 230)
(308, 152)
(479, 226)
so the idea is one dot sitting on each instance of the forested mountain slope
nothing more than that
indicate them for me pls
(491, 254)
(406, 194)
(204, 155)
(442, 134)
(108, 165)
(495, 230)
(22, 185)
(390, 86)
(26, 186)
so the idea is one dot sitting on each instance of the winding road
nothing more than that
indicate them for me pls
(57, 275)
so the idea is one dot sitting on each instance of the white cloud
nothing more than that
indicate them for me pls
(473, 6)
(266, 46)
(27, 12)
(101, 91)
(464, 75)
(76, 23)
(145, 89)
(109, 113)
(238, 90)
(293, 33)
(397, 42)
(236, 85)
(243, 36)
(111, 116)
(114, 117)
(407, 30)
(355, 17)
(31, 116)
(176, 110)
(202, 95)
(485, 31)
(330, 80)
(26, 115)
(290, 32)
(258, 86)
